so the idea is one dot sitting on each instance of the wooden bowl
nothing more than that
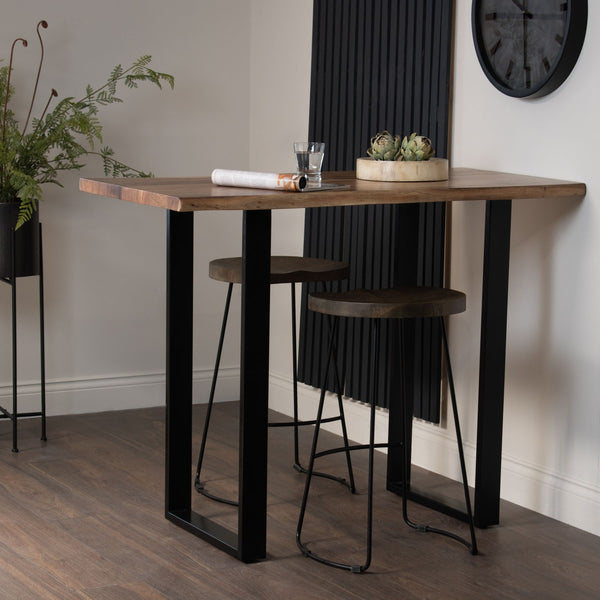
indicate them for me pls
(434, 169)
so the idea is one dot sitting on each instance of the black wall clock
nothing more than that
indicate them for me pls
(527, 48)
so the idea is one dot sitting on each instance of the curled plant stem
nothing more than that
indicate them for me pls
(35, 153)
(53, 94)
(43, 24)
(12, 50)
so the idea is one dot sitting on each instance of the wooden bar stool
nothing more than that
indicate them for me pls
(284, 269)
(400, 303)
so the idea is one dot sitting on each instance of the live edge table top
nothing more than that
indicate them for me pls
(184, 194)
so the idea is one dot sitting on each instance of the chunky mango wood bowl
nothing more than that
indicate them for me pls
(434, 169)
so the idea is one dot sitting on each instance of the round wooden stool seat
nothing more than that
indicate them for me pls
(284, 269)
(406, 302)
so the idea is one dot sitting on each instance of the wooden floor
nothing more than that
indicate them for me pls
(81, 516)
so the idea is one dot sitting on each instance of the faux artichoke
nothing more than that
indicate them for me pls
(416, 147)
(385, 146)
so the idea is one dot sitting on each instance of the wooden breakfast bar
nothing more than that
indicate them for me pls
(181, 197)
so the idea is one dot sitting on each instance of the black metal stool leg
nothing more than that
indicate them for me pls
(406, 430)
(338, 383)
(297, 423)
(372, 399)
(199, 485)
(371, 447)
(340, 390)
(350, 483)
(309, 474)
(297, 465)
(461, 453)
(472, 545)
(311, 462)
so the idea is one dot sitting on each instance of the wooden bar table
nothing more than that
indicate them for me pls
(181, 197)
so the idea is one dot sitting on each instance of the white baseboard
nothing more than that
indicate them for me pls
(565, 499)
(576, 503)
(97, 394)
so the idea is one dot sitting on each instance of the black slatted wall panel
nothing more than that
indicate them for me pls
(378, 64)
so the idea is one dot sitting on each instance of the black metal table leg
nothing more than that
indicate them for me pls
(491, 382)
(254, 390)
(180, 263)
(249, 543)
(492, 362)
(178, 443)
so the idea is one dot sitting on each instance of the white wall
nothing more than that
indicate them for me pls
(279, 105)
(552, 409)
(105, 259)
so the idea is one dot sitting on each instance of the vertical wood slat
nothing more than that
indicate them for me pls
(378, 64)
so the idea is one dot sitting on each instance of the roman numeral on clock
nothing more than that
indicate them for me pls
(511, 64)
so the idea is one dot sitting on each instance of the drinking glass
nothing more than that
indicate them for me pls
(309, 158)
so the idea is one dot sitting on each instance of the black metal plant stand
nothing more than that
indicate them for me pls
(11, 279)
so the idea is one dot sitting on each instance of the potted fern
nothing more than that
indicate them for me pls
(60, 138)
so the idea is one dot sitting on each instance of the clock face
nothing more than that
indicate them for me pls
(528, 47)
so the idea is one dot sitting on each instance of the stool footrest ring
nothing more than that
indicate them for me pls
(357, 447)
(302, 423)
(199, 487)
(454, 536)
(306, 552)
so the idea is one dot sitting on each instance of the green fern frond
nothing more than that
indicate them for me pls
(116, 73)
(142, 61)
(26, 209)
(65, 134)
(168, 78)
(131, 81)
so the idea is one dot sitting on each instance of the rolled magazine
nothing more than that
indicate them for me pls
(254, 179)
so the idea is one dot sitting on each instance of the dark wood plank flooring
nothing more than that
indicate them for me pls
(81, 516)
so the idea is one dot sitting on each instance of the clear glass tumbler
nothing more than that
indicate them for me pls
(309, 159)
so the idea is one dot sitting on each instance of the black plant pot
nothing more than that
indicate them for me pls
(26, 242)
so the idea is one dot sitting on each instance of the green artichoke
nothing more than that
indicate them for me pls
(385, 146)
(416, 147)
